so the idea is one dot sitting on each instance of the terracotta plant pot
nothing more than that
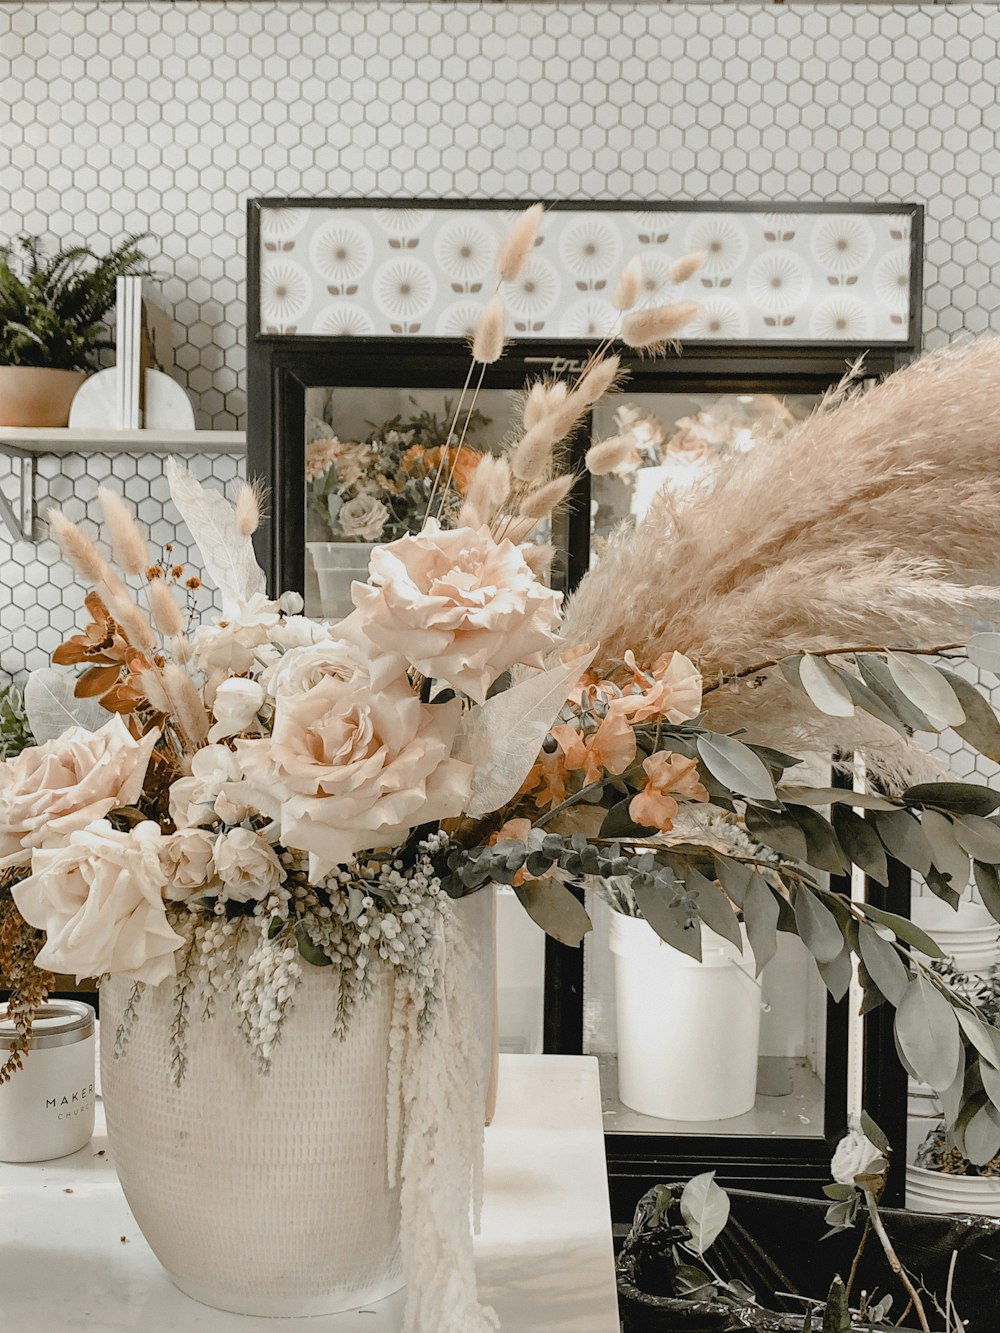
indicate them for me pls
(32, 396)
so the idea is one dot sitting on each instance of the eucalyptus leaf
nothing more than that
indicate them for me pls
(821, 683)
(777, 829)
(959, 798)
(941, 888)
(667, 921)
(760, 914)
(980, 1037)
(692, 1283)
(877, 677)
(904, 839)
(951, 859)
(983, 651)
(929, 1034)
(705, 1209)
(979, 837)
(734, 877)
(822, 848)
(874, 1134)
(837, 974)
(951, 1099)
(981, 728)
(714, 907)
(884, 964)
(865, 800)
(988, 884)
(982, 1135)
(736, 766)
(926, 688)
(990, 1077)
(861, 843)
(551, 905)
(311, 952)
(903, 928)
(868, 701)
(817, 926)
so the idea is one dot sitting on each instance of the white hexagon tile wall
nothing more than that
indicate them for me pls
(147, 115)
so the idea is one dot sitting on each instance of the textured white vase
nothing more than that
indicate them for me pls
(261, 1194)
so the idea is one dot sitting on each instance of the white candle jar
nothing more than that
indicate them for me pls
(47, 1107)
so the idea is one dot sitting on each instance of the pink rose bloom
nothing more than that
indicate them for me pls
(459, 606)
(348, 768)
(100, 901)
(48, 791)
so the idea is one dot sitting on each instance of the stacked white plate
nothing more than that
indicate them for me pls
(970, 936)
(337, 565)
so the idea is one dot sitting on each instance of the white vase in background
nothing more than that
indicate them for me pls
(688, 1032)
(336, 566)
(260, 1194)
(970, 936)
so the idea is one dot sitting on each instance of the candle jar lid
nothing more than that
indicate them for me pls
(55, 1023)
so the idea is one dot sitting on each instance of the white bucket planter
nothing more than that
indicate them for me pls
(264, 1195)
(937, 1192)
(688, 1032)
(337, 565)
(970, 936)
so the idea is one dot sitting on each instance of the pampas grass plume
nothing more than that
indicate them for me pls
(531, 456)
(487, 344)
(185, 703)
(687, 266)
(544, 397)
(77, 547)
(152, 687)
(167, 615)
(648, 330)
(538, 557)
(488, 489)
(629, 287)
(127, 542)
(595, 382)
(249, 501)
(609, 455)
(548, 497)
(517, 245)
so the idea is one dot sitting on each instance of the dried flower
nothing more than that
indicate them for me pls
(611, 455)
(598, 379)
(654, 806)
(687, 266)
(77, 548)
(629, 287)
(127, 541)
(487, 344)
(652, 329)
(248, 507)
(166, 611)
(548, 497)
(543, 398)
(185, 701)
(518, 243)
(531, 456)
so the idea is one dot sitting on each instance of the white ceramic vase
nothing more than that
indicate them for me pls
(263, 1195)
(939, 1192)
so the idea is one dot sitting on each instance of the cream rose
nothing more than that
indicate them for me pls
(188, 861)
(235, 708)
(301, 668)
(363, 518)
(230, 645)
(48, 791)
(215, 790)
(853, 1154)
(349, 768)
(458, 606)
(100, 901)
(247, 865)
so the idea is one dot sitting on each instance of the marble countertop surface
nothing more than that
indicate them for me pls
(72, 1257)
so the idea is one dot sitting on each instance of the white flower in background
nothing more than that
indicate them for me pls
(215, 790)
(100, 901)
(362, 518)
(187, 857)
(291, 603)
(853, 1154)
(49, 791)
(235, 707)
(459, 606)
(230, 644)
(247, 865)
(350, 768)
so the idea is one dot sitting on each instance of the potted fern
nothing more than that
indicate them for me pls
(52, 312)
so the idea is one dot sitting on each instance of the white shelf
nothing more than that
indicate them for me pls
(21, 440)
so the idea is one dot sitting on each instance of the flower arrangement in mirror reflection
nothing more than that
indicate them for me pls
(272, 793)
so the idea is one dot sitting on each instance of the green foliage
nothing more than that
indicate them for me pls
(15, 734)
(52, 309)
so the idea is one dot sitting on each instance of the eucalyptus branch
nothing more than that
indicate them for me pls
(940, 651)
(893, 1259)
(570, 800)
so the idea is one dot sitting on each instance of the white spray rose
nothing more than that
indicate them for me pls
(853, 1154)
(247, 865)
(215, 790)
(236, 705)
(188, 862)
(100, 901)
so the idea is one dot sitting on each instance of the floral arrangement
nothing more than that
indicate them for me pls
(271, 793)
(378, 489)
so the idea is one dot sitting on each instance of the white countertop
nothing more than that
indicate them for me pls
(72, 1257)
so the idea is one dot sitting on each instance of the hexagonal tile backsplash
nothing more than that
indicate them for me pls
(165, 117)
